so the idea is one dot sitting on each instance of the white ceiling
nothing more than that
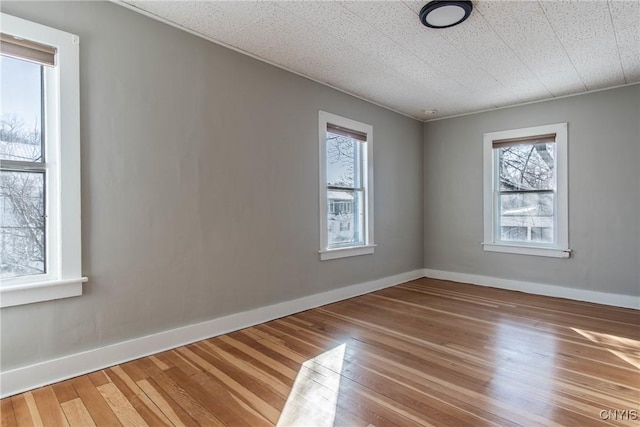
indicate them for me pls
(506, 53)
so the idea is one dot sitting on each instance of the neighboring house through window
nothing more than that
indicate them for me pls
(346, 187)
(40, 253)
(525, 191)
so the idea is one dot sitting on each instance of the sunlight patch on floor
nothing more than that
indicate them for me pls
(627, 349)
(313, 397)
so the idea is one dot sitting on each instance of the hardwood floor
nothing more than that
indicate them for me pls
(427, 352)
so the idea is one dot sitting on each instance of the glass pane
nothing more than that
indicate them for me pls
(527, 167)
(343, 161)
(21, 104)
(513, 233)
(345, 218)
(542, 234)
(526, 217)
(22, 224)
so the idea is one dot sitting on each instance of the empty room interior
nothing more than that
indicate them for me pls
(320, 213)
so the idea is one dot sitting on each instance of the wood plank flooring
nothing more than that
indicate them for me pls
(427, 352)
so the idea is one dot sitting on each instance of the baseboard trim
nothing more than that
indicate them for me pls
(51, 371)
(618, 300)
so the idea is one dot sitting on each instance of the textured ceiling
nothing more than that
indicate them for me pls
(506, 53)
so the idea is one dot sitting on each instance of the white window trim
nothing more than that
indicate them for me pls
(561, 218)
(368, 248)
(64, 253)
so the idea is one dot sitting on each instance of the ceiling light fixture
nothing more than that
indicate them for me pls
(445, 14)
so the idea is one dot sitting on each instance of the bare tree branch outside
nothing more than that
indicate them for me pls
(345, 198)
(526, 184)
(22, 169)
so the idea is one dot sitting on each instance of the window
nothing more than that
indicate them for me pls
(525, 191)
(40, 254)
(346, 187)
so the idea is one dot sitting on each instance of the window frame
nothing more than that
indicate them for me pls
(63, 277)
(560, 247)
(326, 252)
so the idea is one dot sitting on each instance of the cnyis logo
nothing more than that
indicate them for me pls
(619, 414)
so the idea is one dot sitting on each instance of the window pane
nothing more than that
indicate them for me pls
(20, 110)
(527, 167)
(22, 224)
(514, 233)
(526, 211)
(343, 161)
(542, 234)
(345, 218)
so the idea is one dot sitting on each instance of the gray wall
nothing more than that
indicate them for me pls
(604, 193)
(200, 186)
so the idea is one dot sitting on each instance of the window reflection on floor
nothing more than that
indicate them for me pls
(313, 397)
(626, 349)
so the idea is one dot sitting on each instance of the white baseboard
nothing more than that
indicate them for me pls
(51, 371)
(618, 300)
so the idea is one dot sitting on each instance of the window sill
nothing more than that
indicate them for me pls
(346, 252)
(40, 291)
(527, 250)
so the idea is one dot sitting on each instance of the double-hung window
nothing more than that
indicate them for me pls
(40, 254)
(346, 187)
(525, 191)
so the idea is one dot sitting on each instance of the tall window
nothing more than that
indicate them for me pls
(346, 187)
(39, 163)
(526, 209)
(24, 167)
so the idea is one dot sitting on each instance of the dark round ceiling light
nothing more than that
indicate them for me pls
(445, 14)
